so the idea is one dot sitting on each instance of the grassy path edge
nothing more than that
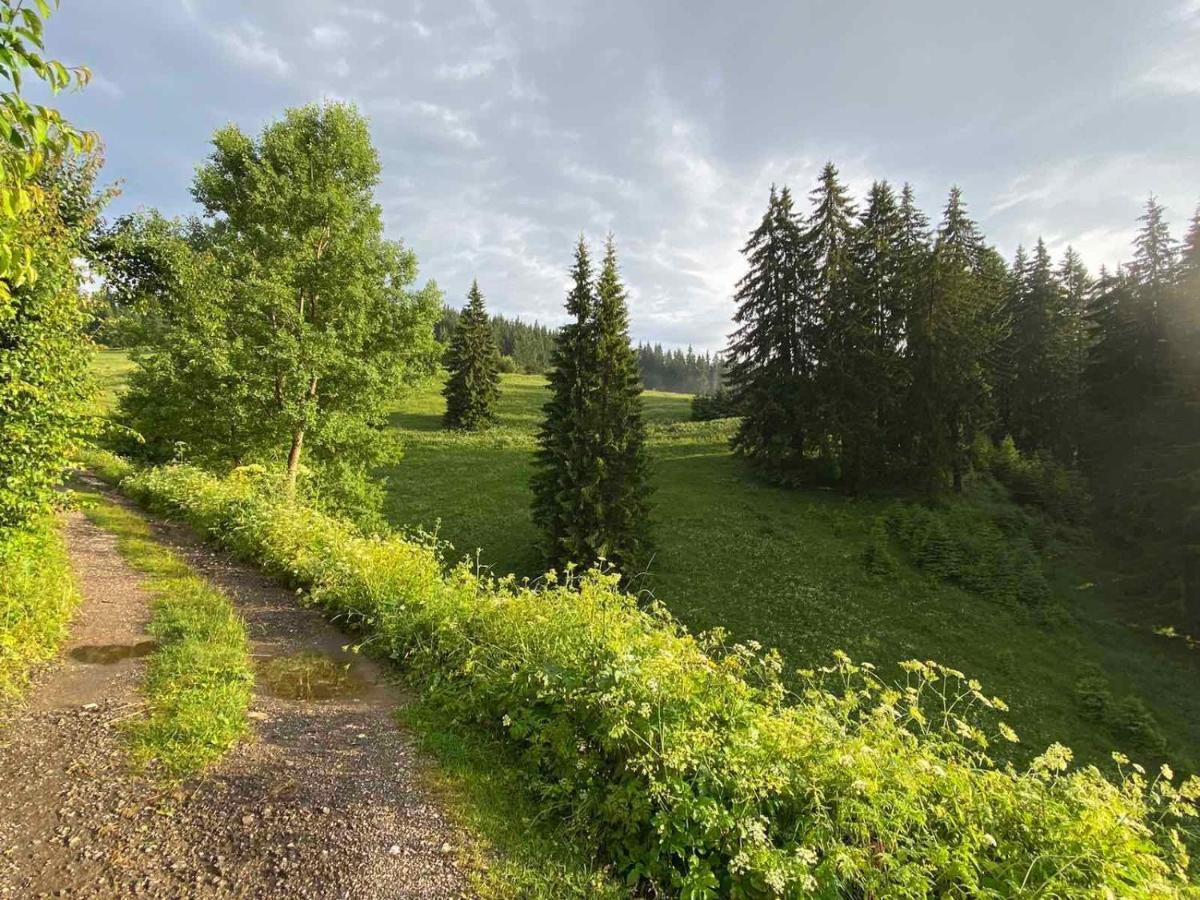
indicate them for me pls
(511, 853)
(199, 679)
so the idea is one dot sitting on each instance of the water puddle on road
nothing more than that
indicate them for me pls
(307, 676)
(107, 654)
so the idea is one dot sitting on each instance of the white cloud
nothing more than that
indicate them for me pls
(106, 86)
(1175, 68)
(1063, 202)
(246, 44)
(443, 121)
(327, 35)
(465, 71)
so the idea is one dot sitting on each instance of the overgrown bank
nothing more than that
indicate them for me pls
(37, 597)
(687, 760)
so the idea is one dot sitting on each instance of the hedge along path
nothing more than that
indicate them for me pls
(324, 798)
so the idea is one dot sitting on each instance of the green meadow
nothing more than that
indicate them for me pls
(786, 568)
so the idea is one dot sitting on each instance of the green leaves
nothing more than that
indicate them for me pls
(286, 321)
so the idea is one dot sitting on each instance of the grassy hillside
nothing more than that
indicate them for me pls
(786, 568)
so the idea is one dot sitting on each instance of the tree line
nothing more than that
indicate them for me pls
(529, 348)
(873, 349)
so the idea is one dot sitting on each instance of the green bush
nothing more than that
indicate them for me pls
(1133, 721)
(37, 597)
(1093, 695)
(964, 543)
(688, 761)
(1129, 719)
(1035, 479)
(717, 405)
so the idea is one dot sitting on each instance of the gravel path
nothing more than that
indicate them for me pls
(326, 800)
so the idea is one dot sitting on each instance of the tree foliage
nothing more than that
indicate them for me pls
(473, 385)
(288, 320)
(590, 488)
(47, 208)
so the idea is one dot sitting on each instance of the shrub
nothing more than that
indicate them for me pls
(688, 761)
(37, 597)
(877, 556)
(1129, 720)
(964, 544)
(1093, 695)
(1135, 723)
(1035, 479)
(717, 405)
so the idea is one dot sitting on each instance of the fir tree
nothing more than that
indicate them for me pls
(875, 375)
(1077, 288)
(1039, 356)
(566, 483)
(838, 324)
(953, 336)
(474, 363)
(623, 538)
(771, 354)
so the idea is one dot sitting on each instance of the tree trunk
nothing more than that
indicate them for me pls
(293, 463)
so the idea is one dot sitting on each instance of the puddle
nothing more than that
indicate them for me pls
(307, 676)
(107, 654)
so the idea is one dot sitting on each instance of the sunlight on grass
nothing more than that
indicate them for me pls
(198, 680)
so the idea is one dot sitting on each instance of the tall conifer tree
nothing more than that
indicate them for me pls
(623, 538)
(566, 481)
(771, 355)
(1077, 288)
(474, 363)
(591, 486)
(876, 377)
(953, 338)
(1038, 355)
(839, 326)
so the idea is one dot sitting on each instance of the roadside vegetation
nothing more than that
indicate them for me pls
(688, 760)
(199, 678)
(47, 207)
(38, 595)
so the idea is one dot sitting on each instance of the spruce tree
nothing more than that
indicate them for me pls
(1077, 289)
(771, 354)
(1039, 356)
(871, 423)
(474, 364)
(839, 326)
(566, 483)
(1177, 486)
(953, 336)
(623, 538)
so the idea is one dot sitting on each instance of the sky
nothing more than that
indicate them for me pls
(507, 129)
